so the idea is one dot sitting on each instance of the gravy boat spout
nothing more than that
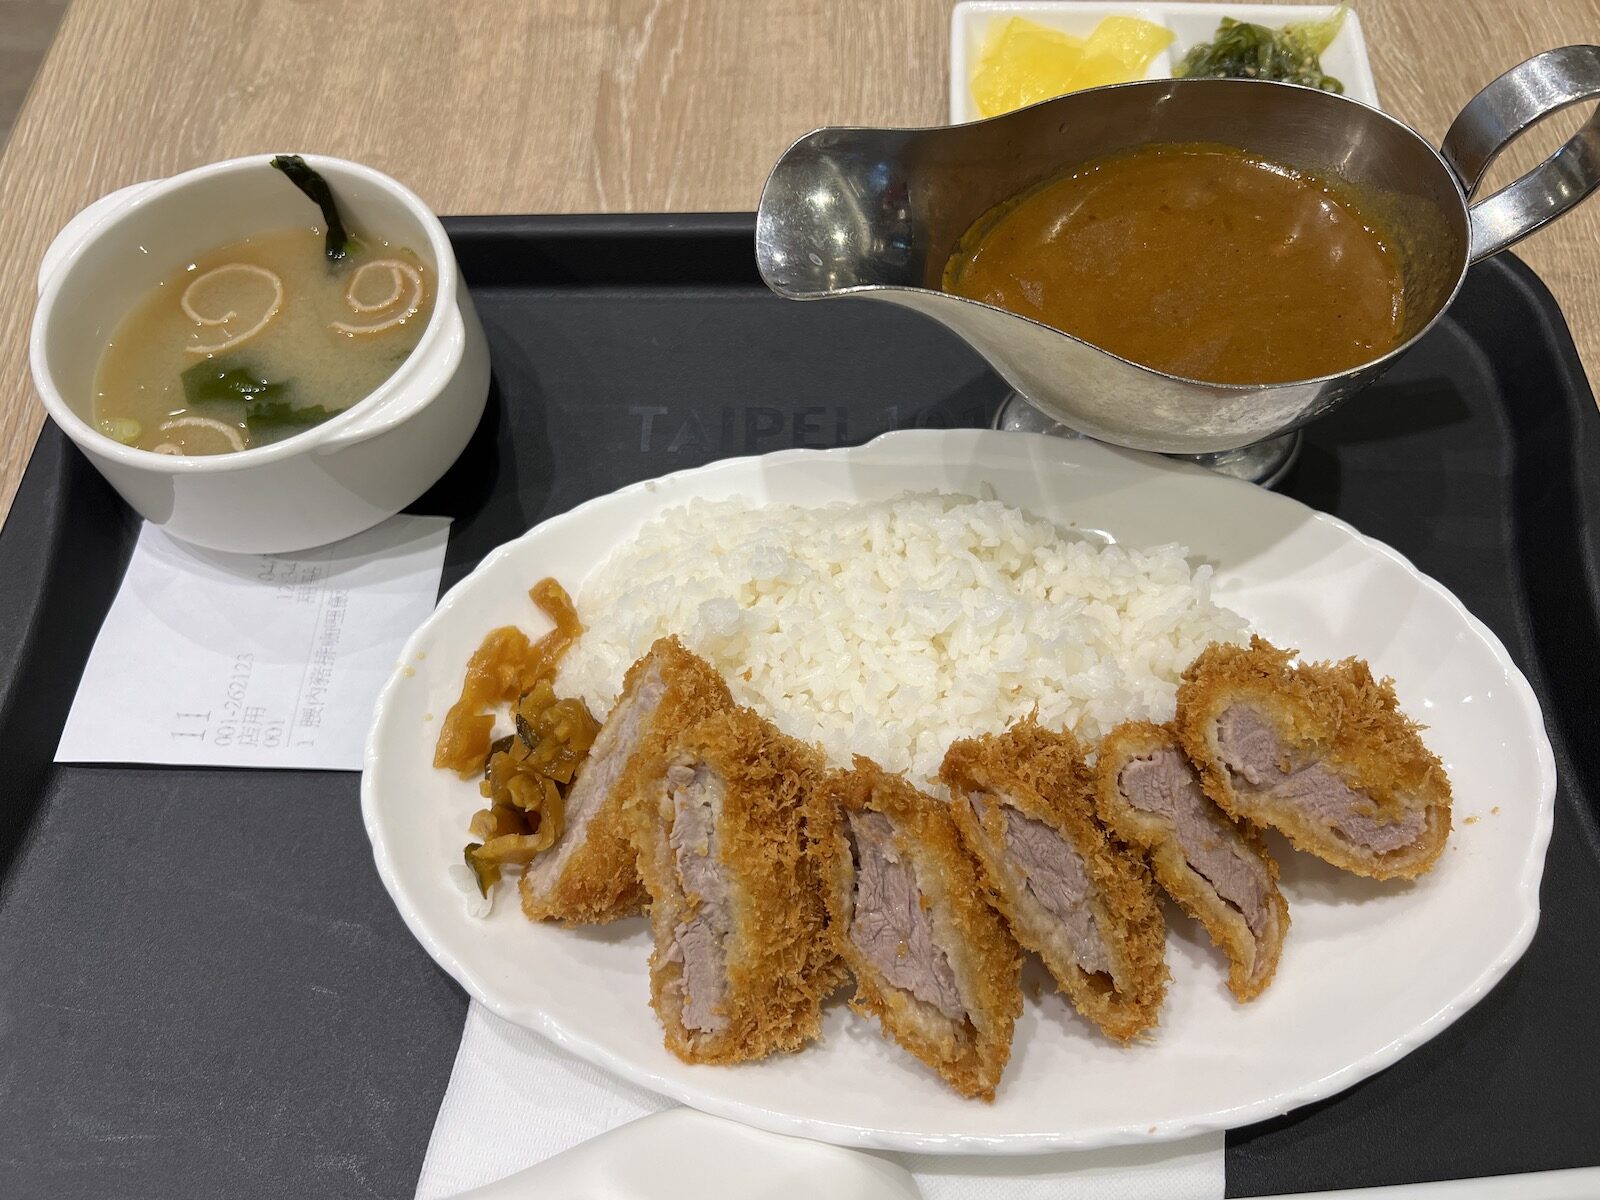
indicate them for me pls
(875, 214)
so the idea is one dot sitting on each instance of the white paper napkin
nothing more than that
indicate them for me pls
(246, 660)
(515, 1099)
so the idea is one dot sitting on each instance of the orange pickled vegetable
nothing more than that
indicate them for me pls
(546, 653)
(493, 671)
(557, 733)
(518, 849)
(501, 669)
(525, 776)
(490, 823)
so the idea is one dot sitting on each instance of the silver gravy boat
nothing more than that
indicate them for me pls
(876, 213)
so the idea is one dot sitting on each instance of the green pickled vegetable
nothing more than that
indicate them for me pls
(1318, 35)
(1289, 55)
(487, 874)
(209, 382)
(317, 190)
(498, 746)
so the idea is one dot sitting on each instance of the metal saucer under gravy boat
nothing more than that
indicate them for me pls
(874, 214)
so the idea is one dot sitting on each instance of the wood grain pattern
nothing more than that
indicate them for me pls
(590, 105)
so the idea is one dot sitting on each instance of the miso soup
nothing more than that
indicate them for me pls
(257, 341)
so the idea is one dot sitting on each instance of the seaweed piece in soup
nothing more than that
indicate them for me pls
(211, 382)
(317, 190)
(275, 414)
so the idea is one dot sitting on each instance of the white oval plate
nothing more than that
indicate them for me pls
(1369, 970)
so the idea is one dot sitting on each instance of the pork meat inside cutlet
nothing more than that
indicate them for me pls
(890, 925)
(1165, 784)
(1150, 796)
(698, 941)
(1267, 767)
(908, 913)
(1319, 751)
(591, 874)
(742, 957)
(1055, 888)
(1024, 803)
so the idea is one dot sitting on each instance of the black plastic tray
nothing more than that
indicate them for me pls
(204, 989)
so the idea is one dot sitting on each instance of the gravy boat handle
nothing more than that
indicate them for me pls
(1497, 115)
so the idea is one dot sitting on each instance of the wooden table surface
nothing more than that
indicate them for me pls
(489, 106)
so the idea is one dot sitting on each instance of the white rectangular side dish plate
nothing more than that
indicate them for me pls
(1345, 59)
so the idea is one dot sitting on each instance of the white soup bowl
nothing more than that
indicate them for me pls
(328, 482)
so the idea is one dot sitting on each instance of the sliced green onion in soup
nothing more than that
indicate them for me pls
(121, 429)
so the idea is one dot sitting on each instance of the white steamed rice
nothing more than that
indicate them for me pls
(892, 628)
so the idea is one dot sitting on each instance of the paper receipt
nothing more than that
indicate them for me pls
(236, 660)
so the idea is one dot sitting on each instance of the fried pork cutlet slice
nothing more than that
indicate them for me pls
(1086, 905)
(1149, 795)
(931, 959)
(742, 960)
(1320, 752)
(590, 875)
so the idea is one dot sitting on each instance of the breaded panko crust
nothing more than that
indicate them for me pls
(985, 959)
(600, 883)
(781, 964)
(600, 880)
(1044, 775)
(1337, 713)
(1251, 966)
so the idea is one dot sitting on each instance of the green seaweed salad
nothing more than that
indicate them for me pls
(1292, 54)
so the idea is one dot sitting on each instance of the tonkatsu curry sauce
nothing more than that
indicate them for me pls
(1200, 260)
